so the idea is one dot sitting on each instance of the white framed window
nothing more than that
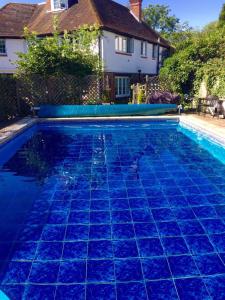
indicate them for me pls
(124, 44)
(2, 47)
(144, 46)
(154, 51)
(59, 4)
(122, 84)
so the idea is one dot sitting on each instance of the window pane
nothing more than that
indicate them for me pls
(124, 45)
(117, 43)
(2, 46)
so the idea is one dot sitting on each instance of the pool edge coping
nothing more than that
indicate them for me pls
(11, 131)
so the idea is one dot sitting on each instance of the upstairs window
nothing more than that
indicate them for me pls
(59, 4)
(2, 47)
(144, 48)
(122, 86)
(124, 44)
(155, 51)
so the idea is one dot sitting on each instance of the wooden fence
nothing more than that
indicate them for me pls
(17, 96)
(148, 87)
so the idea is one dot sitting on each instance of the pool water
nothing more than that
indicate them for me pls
(113, 210)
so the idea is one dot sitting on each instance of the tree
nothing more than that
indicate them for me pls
(200, 57)
(222, 16)
(160, 19)
(169, 26)
(61, 54)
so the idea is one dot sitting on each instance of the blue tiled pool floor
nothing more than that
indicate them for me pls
(119, 213)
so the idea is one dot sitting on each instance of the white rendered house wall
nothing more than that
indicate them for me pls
(122, 63)
(8, 61)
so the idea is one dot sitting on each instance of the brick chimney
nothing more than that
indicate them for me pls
(48, 5)
(136, 8)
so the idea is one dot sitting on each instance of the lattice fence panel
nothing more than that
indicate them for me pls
(8, 98)
(154, 84)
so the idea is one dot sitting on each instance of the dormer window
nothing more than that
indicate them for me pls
(59, 4)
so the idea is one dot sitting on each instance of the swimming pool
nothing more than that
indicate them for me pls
(112, 210)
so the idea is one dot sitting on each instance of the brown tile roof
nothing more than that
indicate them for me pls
(108, 14)
(14, 17)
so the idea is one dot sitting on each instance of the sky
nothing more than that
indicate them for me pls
(197, 12)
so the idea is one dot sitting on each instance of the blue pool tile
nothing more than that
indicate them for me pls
(70, 292)
(210, 264)
(81, 194)
(122, 231)
(191, 227)
(131, 290)
(44, 272)
(100, 270)
(30, 233)
(191, 289)
(183, 213)
(13, 292)
(80, 205)
(135, 192)
(16, 272)
(101, 291)
(145, 230)
(168, 229)
(216, 286)
(118, 193)
(125, 248)
(199, 244)
(158, 202)
(161, 289)
(182, 266)
(79, 217)
(174, 245)
(60, 205)
(72, 271)
(156, 268)
(141, 215)
(218, 241)
(128, 270)
(99, 205)
(53, 232)
(58, 217)
(37, 292)
(138, 203)
(100, 194)
(98, 217)
(213, 225)
(220, 209)
(77, 232)
(74, 250)
(177, 201)
(197, 200)
(117, 204)
(216, 198)
(24, 251)
(121, 216)
(49, 251)
(204, 212)
(100, 249)
(100, 232)
(163, 214)
(150, 247)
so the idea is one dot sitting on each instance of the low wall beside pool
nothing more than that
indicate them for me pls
(71, 111)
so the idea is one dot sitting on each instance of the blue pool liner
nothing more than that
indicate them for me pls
(69, 111)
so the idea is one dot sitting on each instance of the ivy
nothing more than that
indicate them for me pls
(199, 57)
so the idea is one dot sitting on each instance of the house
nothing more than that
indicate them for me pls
(128, 47)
